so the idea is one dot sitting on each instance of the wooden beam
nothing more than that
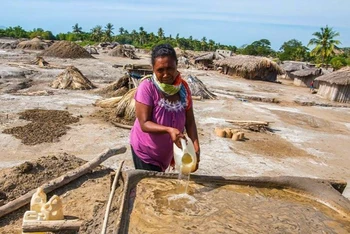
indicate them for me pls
(60, 181)
(51, 225)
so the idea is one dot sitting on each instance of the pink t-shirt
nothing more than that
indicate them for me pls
(152, 148)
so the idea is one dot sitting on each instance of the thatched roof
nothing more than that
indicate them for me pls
(208, 56)
(340, 77)
(123, 51)
(72, 78)
(293, 66)
(198, 88)
(66, 49)
(308, 72)
(34, 44)
(249, 64)
(40, 61)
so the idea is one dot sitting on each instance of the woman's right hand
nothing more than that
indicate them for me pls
(176, 135)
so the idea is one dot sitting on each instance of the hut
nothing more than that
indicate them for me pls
(250, 67)
(34, 44)
(291, 66)
(72, 78)
(304, 77)
(335, 86)
(123, 51)
(207, 60)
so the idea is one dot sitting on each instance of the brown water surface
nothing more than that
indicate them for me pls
(213, 208)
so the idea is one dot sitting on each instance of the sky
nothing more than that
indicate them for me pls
(230, 22)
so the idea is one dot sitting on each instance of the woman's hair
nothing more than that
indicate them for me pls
(163, 50)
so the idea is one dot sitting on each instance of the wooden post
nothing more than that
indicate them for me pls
(105, 221)
(60, 181)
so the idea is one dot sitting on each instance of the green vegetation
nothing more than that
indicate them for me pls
(325, 51)
(325, 44)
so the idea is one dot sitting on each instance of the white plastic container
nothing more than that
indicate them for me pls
(185, 158)
(38, 200)
(32, 215)
(52, 210)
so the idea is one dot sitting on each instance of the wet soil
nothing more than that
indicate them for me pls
(45, 126)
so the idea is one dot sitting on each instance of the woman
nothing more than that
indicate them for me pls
(163, 111)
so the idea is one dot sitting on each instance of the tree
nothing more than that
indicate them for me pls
(204, 43)
(121, 30)
(108, 32)
(293, 50)
(324, 44)
(261, 48)
(77, 29)
(160, 33)
(96, 33)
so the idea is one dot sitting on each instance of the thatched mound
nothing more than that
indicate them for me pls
(125, 110)
(72, 78)
(250, 67)
(123, 51)
(117, 88)
(66, 49)
(34, 44)
(91, 49)
(340, 77)
(109, 102)
(40, 62)
(198, 88)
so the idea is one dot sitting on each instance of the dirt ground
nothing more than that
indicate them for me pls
(307, 141)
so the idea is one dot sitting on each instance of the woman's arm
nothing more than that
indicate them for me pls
(191, 130)
(144, 115)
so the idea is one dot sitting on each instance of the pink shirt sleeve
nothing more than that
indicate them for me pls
(144, 93)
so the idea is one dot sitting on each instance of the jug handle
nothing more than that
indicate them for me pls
(183, 144)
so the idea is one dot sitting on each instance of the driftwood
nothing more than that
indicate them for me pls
(60, 181)
(256, 126)
(105, 220)
(51, 226)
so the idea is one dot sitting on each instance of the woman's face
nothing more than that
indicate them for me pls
(165, 69)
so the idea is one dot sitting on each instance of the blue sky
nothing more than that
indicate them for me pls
(233, 22)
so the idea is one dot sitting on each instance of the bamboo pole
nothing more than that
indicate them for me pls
(60, 181)
(105, 220)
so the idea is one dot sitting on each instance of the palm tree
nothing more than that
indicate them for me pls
(77, 29)
(96, 33)
(121, 30)
(108, 32)
(325, 43)
(160, 33)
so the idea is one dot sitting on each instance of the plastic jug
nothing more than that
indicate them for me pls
(185, 158)
(38, 200)
(32, 215)
(52, 210)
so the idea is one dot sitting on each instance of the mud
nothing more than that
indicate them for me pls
(211, 208)
(46, 126)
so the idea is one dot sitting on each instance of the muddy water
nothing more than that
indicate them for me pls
(210, 208)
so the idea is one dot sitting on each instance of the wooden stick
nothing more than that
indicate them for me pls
(122, 125)
(51, 225)
(248, 122)
(60, 181)
(198, 98)
(105, 221)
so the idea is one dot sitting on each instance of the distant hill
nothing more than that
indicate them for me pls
(2, 27)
